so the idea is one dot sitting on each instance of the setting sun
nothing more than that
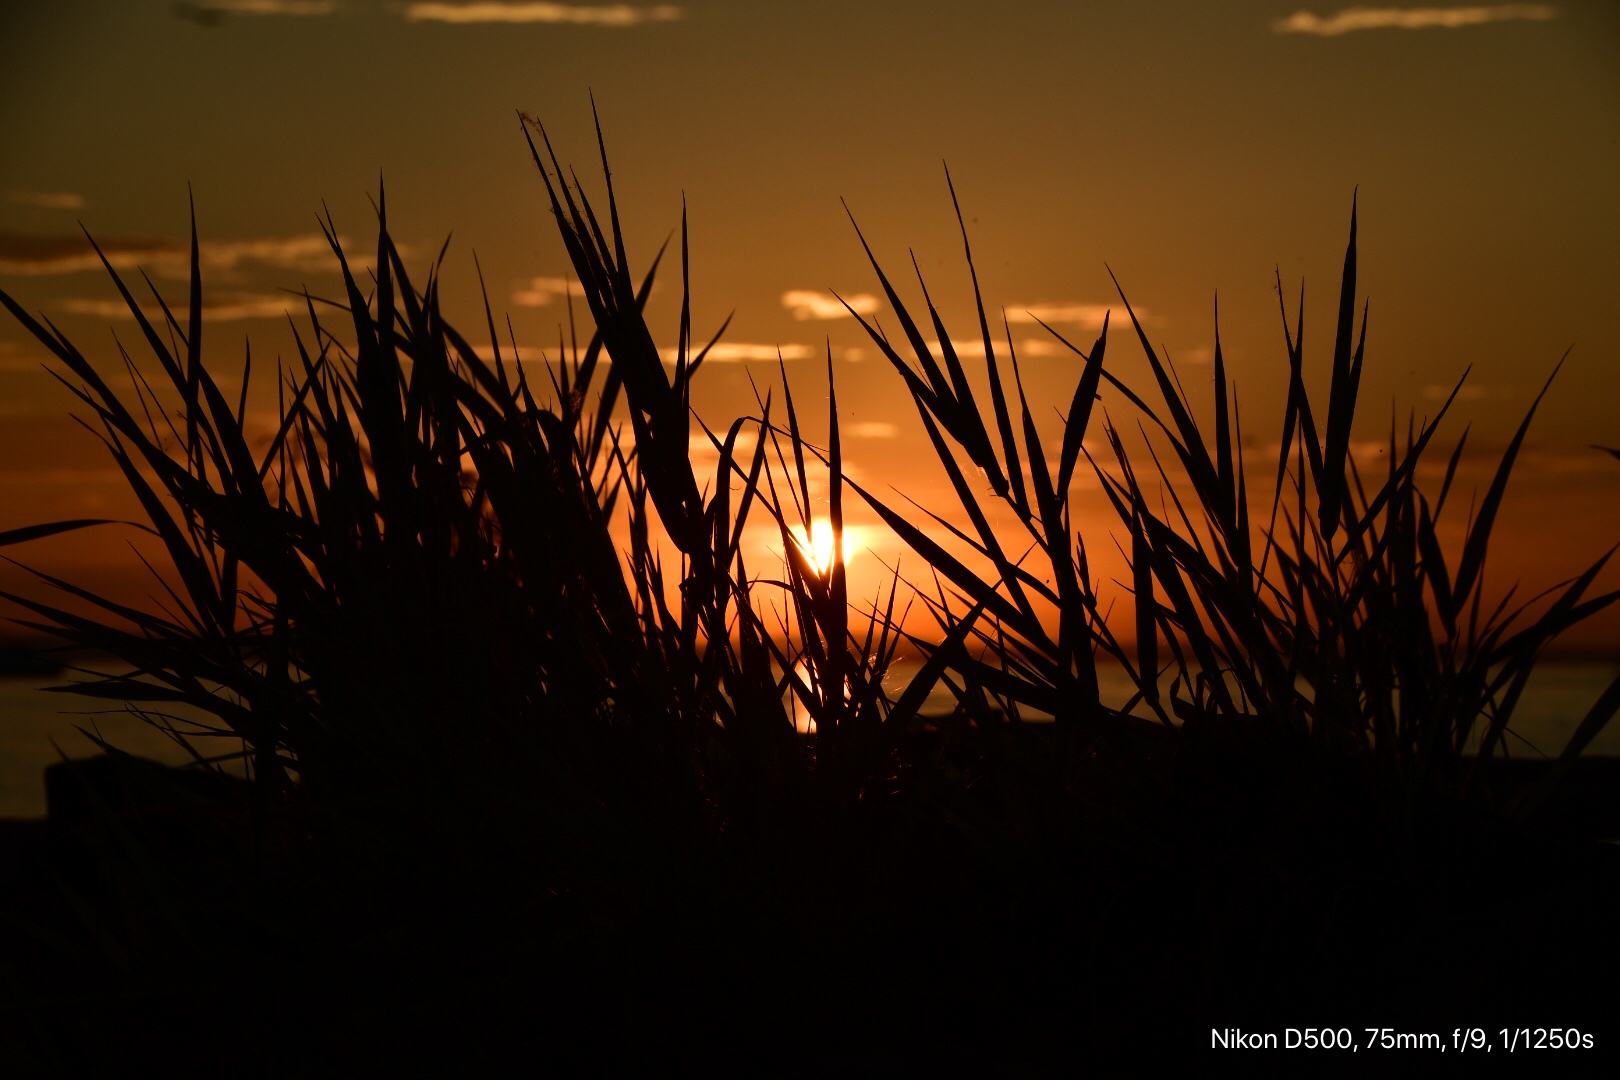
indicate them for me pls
(821, 547)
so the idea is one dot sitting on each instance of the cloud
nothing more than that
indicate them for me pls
(29, 253)
(1449, 18)
(492, 12)
(1027, 347)
(230, 307)
(214, 12)
(48, 200)
(1038, 347)
(1089, 316)
(809, 304)
(525, 353)
(729, 352)
(308, 252)
(871, 429)
(542, 289)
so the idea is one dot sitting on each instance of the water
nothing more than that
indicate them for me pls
(1554, 702)
(38, 728)
(34, 724)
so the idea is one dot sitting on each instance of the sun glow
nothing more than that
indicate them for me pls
(820, 546)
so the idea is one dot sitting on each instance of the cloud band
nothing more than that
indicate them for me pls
(730, 352)
(47, 200)
(1359, 18)
(577, 14)
(32, 254)
(809, 304)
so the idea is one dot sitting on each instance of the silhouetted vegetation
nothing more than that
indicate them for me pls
(512, 790)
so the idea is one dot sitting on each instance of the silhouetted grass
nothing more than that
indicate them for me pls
(1344, 628)
(512, 789)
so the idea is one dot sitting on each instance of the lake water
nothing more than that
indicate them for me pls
(37, 728)
(1554, 702)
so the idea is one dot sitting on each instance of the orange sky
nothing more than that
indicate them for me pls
(1192, 147)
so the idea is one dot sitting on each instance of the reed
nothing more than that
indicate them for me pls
(1339, 623)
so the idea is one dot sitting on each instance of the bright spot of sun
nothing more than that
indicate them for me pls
(820, 547)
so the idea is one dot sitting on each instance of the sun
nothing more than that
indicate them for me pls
(820, 546)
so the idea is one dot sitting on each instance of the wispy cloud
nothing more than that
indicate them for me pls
(32, 253)
(730, 352)
(48, 200)
(1042, 347)
(524, 353)
(542, 290)
(974, 348)
(1089, 316)
(308, 252)
(579, 14)
(214, 12)
(224, 308)
(871, 429)
(1448, 18)
(810, 304)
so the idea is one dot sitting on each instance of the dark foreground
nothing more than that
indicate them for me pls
(162, 919)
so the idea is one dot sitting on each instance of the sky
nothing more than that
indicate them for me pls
(1195, 150)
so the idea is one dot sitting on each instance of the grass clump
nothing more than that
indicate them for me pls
(511, 788)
